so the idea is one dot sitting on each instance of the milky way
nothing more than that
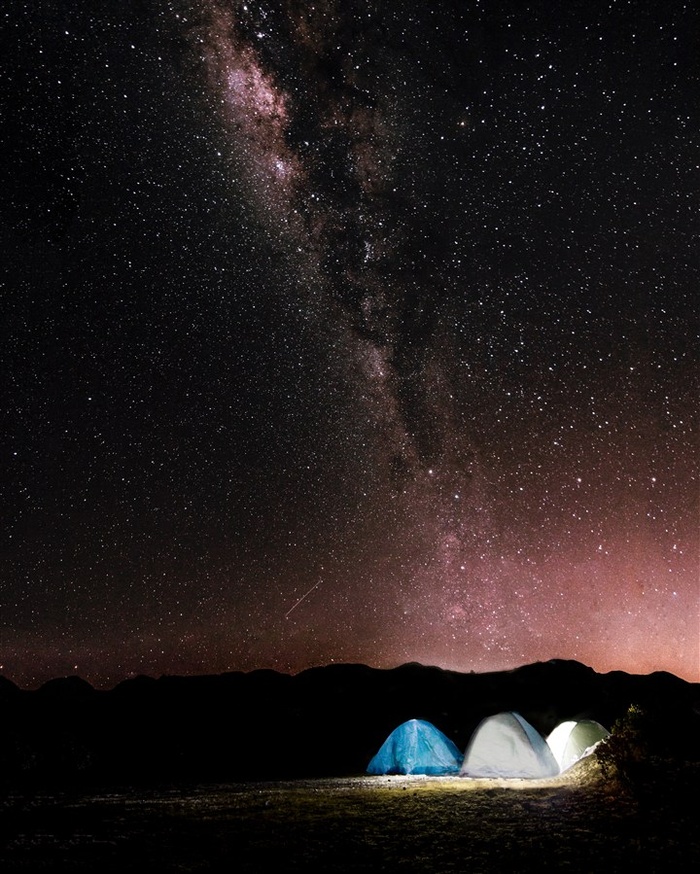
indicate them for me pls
(313, 108)
(366, 333)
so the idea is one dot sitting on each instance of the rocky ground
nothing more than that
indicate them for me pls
(576, 822)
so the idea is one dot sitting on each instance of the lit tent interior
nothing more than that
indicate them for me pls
(574, 739)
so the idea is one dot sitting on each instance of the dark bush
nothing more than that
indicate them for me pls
(646, 753)
(627, 752)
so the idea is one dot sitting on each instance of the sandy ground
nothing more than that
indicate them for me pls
(408, 824)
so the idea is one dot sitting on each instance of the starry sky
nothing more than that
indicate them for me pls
(357, 331)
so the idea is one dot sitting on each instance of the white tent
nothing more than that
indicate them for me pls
(574, 739)
(506, 745)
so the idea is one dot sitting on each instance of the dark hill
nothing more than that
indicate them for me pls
(325, 721)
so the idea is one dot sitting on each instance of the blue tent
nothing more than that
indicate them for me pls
(416, 747)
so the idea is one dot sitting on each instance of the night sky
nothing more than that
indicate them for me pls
(360, 331)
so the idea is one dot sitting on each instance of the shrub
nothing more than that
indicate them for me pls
(627, 751)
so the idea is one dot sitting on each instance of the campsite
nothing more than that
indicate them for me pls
(349, 768)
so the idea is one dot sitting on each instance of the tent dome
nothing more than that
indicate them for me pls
(506, 745)
(574, 739)
(416, 747)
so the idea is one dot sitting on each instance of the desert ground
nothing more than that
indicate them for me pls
(575, 822)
